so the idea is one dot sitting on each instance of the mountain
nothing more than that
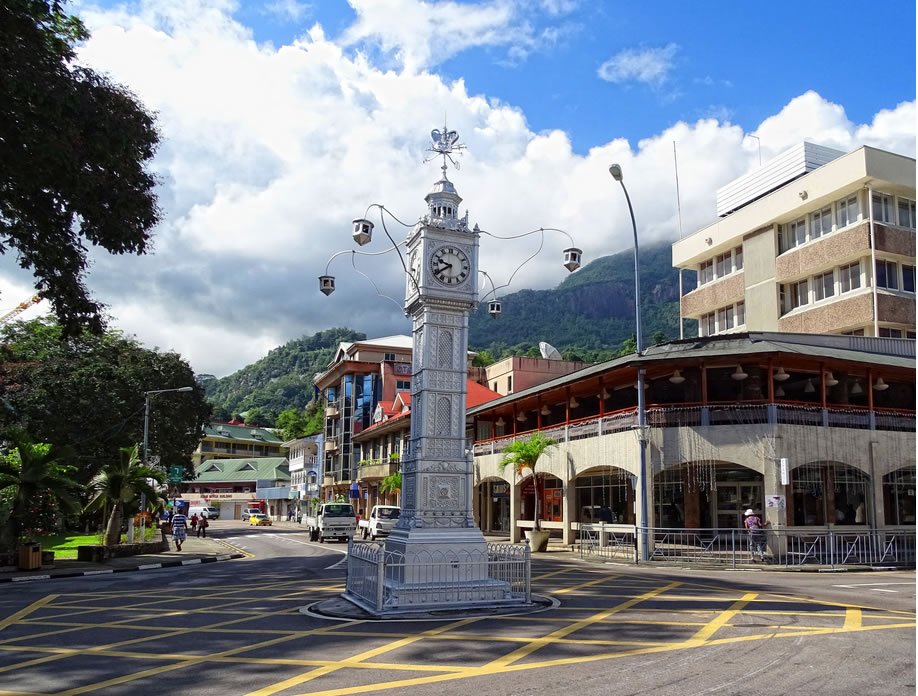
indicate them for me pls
(280, 380)
(590, 313)
(588, 316)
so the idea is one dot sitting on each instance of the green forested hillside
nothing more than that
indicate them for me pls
(280, 380)
(589, 316)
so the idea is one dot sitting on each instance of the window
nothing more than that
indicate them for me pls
(510, 384)
(853, 332)
(910, 334)
(706, 272)
(725, 318)
(886, 332)
(402, 385)
(800, 293)
(389, 357)
(847, 211)
(887, 275)
(882, 207)
(738, 258)
(793, 234)
(740, 313)
(850, 277)
(824, 285)
(706, 324)
(908, 278)
(906, 213)
(724, 264)
(821, 223)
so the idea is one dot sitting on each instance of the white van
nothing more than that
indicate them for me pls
(208, 511)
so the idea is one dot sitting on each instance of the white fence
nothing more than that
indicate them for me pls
(737, 547)
(438, 579)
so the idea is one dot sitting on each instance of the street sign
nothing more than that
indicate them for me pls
(175, 474)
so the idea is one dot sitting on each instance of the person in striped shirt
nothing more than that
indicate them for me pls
(179, 527)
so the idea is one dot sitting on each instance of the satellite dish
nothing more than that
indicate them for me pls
(548, 351)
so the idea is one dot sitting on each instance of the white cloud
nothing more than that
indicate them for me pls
(269, 152)
(648, 65)
(289, 9)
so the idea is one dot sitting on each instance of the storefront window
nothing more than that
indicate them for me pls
(835, 493)
(899, 496)
(605, 498)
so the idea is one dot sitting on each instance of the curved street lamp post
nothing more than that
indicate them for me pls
(616, 171)
(146, 439)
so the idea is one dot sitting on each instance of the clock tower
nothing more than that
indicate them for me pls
(436, 533)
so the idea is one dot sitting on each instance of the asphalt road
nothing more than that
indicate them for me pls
(233, 628)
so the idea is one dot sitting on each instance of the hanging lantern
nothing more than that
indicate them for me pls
(363, 231)
(830, 380)
(781, 375)
(676, 377)
(327, 284)
(572, 258)
(738, 374)
(880, 385)
(494, 308)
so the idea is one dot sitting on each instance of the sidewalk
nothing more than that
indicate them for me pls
(194, 551)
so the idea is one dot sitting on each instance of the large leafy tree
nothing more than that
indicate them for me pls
(121, 482)
(74, 147)
(35, 485)
(525, 454)
(87, 391)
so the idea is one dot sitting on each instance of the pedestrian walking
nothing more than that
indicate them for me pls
(753, 524)
(179, 532)
(194, 522)
(202, 527)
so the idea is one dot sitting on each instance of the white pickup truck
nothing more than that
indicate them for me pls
(380, 522)
(336, 520)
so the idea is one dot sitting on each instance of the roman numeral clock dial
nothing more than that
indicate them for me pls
(450, 266)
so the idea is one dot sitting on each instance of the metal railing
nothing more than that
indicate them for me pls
(737, 547)
(381, 580)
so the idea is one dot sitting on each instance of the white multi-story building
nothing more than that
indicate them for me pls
(814, 241)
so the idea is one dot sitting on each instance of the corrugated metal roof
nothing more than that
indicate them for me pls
(241, 433)
(895, 352)
(260, 468)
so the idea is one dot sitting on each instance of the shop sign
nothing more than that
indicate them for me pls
(226, 496)
(775, 502)
(500, 490)
(401, 368)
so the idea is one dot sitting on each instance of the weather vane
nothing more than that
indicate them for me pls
(445, 144)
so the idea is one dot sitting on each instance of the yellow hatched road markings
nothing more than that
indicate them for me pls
(24, 612)
(711, 627)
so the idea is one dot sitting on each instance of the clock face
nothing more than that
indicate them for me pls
(450, 265)
(414, 265)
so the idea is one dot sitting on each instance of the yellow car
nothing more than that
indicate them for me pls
(260, 519)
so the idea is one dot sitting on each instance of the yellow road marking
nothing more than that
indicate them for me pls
(307, 676)
(852, 619)
(22, 613)
(236, 549)
(537, 643)
(711, 627)
(585, 584)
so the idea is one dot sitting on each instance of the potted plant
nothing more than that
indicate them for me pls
(524, 454)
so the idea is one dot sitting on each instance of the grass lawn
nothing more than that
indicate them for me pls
(65, 545)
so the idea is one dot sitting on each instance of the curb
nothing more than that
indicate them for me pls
(131, 569)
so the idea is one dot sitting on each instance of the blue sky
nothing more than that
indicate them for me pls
(727, 60)
(283, 120)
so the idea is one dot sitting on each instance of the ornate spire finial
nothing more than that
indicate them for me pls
(445, 144)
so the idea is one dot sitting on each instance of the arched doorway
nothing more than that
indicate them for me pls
(551, 491)
(493, 508)
(706, 495)
(604, 494)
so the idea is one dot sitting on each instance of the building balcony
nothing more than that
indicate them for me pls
(331, 412)
(377, 469)
(331, 444)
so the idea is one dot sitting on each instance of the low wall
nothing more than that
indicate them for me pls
(99, 554)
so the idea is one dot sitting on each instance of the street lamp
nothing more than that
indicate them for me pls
(146, 439)
(616, 171)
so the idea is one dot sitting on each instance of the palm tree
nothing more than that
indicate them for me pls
(34, 470)
(121, 482)
(524, 454)
(391, 484)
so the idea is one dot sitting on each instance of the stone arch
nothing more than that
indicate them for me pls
(603, 494)
(823, 492)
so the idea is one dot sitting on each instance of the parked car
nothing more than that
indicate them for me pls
(380, 522)
(336, 520)
(260, 519)
(248, 512)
